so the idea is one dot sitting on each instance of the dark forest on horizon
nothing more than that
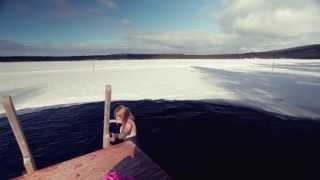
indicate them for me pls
(302, 52)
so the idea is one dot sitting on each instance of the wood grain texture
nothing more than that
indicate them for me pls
(18, 133)
(107, 109)
(126, 158)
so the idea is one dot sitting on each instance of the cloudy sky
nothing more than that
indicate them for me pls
(83, 27)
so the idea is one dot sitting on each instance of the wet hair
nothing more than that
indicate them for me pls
(125, 110)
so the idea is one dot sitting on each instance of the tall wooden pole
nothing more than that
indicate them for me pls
(18, 133)
(107, 110)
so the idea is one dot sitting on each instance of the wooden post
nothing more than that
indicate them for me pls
(18, 133)
(107, 109)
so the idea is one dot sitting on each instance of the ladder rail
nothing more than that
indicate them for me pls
(11, 114)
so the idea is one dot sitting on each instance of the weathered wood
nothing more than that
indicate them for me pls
(125, 158)
(107, 109)
(18, 133)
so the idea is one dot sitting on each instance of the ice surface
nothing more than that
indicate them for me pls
(285, 86)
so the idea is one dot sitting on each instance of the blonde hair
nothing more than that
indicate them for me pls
(125, 111)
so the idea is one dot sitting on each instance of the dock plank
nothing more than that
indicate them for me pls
(126, 158)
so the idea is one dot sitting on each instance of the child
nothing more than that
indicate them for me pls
(124, 127)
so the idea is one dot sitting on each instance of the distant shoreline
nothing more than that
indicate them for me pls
(302, 52)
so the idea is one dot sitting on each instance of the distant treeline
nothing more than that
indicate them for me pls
(303, 52)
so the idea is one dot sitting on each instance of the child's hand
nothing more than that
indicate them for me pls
(113, 138)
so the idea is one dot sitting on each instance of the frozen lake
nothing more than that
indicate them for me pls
(286, 86)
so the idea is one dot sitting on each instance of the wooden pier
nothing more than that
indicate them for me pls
(125, 158)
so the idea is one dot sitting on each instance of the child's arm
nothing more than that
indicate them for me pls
(125, 131)
(131, 116)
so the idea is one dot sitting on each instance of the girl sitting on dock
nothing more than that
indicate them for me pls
(123, 127)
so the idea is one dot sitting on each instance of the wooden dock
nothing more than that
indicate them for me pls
(125, 158)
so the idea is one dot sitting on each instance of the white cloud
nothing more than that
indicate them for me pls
(109, 3)
(286, 18)
(245, 25)
(10, 48)
(125, 22)
(181, 42)
(63, 8)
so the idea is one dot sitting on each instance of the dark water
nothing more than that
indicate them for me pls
(188, 139)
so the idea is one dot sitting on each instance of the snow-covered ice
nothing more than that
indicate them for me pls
(285, 86)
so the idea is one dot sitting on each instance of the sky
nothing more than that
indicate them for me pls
(87, 27)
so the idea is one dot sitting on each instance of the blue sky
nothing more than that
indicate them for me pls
(81, 27)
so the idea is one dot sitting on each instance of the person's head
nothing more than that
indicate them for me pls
(122, 113)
